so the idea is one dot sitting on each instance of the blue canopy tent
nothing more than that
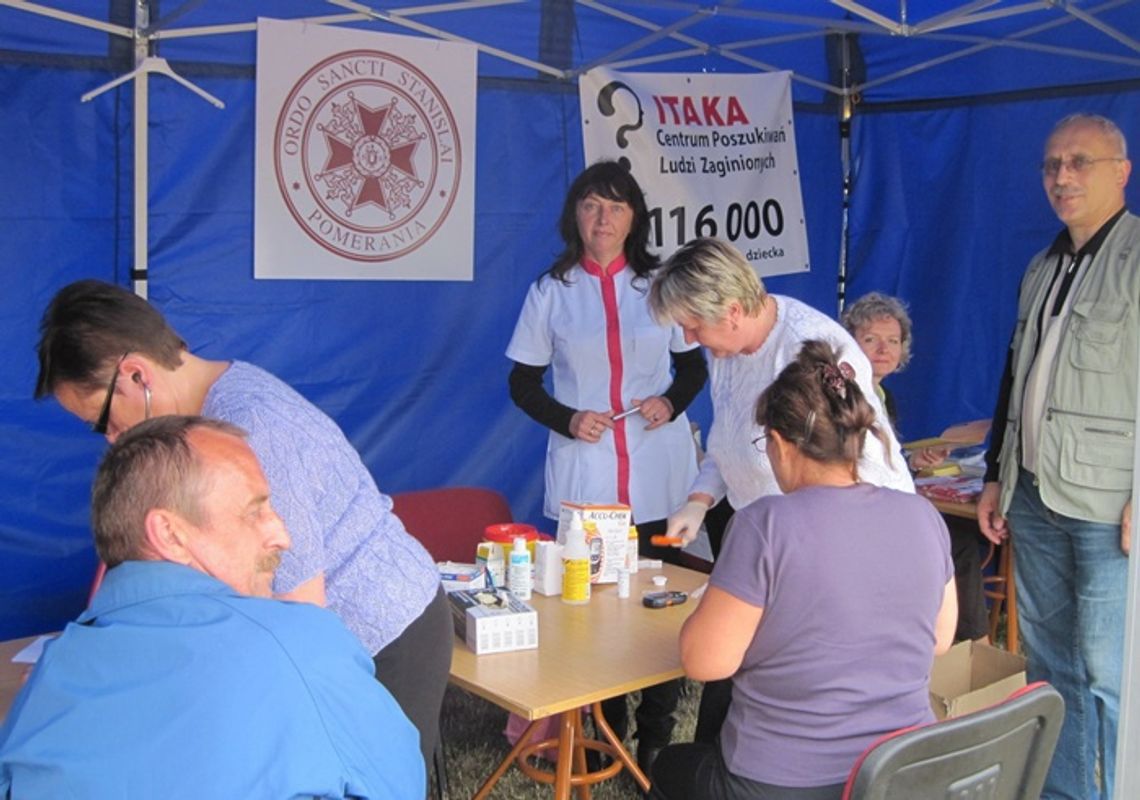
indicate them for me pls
(948, 106)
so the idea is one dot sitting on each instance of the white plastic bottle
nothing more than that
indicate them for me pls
(576, 564)
(519, 576)
(631, 553)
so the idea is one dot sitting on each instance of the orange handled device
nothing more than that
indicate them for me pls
(666, 541)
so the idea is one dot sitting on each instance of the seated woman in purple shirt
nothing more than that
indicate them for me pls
(826, 607)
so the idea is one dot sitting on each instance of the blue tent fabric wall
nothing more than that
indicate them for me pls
(946, 210)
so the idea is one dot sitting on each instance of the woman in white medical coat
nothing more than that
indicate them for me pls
(588, 317)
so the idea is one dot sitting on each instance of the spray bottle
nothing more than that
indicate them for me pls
(576, 564)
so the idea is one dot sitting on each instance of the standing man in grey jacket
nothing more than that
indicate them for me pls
(1059, 471)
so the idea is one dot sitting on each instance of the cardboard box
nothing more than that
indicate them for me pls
(455, 576)
(493, 620)
(971, 676)
(607, 550)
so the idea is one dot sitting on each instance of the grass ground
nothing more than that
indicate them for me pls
(474, 745)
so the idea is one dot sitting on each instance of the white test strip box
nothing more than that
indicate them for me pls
(493, 621)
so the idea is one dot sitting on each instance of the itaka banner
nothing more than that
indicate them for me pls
(715, 155)
(365, 155)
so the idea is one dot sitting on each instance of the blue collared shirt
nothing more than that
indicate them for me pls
(172, 685)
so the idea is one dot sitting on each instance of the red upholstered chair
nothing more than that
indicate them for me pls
(999, 753)
(450, 521)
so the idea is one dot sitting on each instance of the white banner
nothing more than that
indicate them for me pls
(365, 155)
(715, 155)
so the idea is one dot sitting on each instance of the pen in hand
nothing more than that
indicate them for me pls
(626, 413)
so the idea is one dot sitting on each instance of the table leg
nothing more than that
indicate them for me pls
(489, 784)
(562, 772)
(1012, 632)
(622, 753)
(580, 767)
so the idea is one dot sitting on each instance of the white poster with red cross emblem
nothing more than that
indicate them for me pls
(365, 155)
(714, 154)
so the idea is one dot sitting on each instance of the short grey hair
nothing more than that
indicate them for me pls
(1106, 126)
(701, 279)
(150, 466)
(875, 306)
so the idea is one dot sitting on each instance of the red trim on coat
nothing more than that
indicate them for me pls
(605, 278)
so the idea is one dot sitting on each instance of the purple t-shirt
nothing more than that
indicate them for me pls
(851, 581)
(378, 578)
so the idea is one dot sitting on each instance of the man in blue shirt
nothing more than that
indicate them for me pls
(183, 679)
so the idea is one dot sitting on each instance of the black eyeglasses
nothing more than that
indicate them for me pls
(760, 442)
(1078, 164)
(99, 426)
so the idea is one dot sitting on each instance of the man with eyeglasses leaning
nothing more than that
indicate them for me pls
(110, 358)
(1059, 467)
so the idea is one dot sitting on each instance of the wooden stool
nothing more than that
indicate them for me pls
(1001, 589)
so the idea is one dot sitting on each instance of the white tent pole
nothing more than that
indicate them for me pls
(1128, 734)
(141, 147)
(953, 16)
(1013, 40)
(958, 19)
(328, 19)
(728, 51)
(246, 27)
(733, 11)
(878, 19)
(1103, 27)
(76, 19)
(1001, 13)
(846, 111)
(645, 41)
(702, 47)
(397, 19)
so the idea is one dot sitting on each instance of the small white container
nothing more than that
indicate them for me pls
(519, 575)
(623, 583)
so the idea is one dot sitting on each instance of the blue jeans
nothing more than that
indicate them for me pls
(1072, 584)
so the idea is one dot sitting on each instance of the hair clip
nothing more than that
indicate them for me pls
(835, 377)
(809, 424)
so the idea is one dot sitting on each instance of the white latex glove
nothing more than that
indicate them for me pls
(686, 523)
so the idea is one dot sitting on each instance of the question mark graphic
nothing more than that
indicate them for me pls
(606, 106)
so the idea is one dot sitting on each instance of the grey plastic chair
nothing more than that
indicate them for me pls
(999, 753)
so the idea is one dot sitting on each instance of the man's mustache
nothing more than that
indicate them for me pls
(270, 562)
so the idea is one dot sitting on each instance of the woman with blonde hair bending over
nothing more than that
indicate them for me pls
(710, 290)
(855, 589)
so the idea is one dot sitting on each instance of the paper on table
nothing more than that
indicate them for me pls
(31, 654)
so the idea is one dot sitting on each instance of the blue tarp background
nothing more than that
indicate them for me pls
(946, 210)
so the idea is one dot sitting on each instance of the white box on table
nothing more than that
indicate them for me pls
(493, 620)
(548, 568)
(454, 576)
